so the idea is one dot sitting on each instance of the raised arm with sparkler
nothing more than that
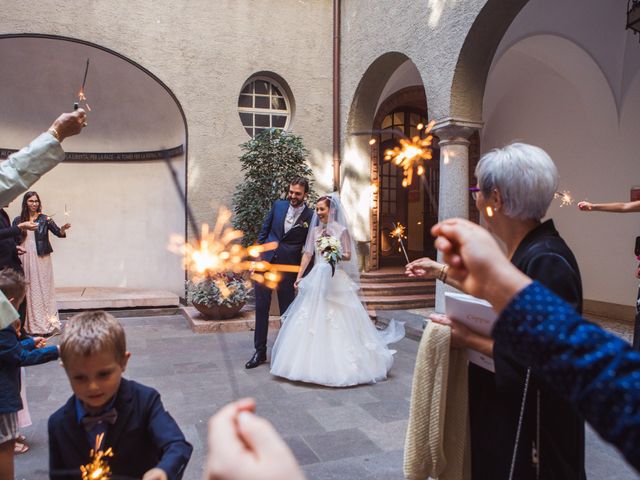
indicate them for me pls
(614, 207)
(23, 168)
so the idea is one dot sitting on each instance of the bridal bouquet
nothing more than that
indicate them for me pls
(330, 249)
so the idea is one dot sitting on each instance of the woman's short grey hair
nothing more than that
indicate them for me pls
(525, 175)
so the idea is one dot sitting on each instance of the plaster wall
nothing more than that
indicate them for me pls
(555, 84)
(122, 219)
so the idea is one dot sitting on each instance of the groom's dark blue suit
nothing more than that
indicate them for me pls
(289, 252)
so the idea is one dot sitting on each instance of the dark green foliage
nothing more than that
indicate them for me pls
(270, 160)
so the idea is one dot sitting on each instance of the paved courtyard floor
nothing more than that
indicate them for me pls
(353, 433)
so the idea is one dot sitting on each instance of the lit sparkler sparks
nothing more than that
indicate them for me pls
(218, 251)
(564, 197)
(399, 233)
(98, 469)
(82, 98)
(411, 154)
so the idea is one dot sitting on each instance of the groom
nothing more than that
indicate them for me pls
(287, 223)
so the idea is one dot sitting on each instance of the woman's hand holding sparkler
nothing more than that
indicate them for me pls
(423, 267)
(243, 446)
(68, 124)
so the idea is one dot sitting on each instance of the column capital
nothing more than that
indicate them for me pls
(455, 130)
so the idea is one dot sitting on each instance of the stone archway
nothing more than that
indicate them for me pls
(476, 55)
(358, 191)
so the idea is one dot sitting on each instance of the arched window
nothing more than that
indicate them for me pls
(263, 104)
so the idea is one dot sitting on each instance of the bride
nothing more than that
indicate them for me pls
(327, 336)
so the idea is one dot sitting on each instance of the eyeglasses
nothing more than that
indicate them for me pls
(474, 192)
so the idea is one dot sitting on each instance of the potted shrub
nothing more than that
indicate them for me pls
(218, 297)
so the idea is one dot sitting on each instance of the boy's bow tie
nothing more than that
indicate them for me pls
(89, 422)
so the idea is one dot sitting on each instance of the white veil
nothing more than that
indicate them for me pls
(338, 227)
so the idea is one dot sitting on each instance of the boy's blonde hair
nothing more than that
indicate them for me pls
(12, 284)
(88, 333)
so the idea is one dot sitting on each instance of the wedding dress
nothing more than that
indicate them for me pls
(327, 336)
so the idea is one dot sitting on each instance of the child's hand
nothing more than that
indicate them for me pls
(40, 342)
(155, 474)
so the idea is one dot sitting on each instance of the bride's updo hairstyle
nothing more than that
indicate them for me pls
(325, 199)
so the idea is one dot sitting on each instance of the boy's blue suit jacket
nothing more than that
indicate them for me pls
(144, 436)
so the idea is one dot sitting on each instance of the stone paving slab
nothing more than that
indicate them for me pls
(352, 433)
(245, 322)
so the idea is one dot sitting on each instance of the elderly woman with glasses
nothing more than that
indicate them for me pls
(516, 185)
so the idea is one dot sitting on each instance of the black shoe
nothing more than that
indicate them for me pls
(258, 358)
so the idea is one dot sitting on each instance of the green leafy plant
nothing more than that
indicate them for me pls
(270, 160)
(207, 292)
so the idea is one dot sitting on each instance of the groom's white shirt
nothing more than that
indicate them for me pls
(292, 216)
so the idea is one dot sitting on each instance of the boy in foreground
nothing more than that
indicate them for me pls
(146, 441)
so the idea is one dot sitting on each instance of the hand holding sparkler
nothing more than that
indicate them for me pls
(423, 268)
(68, 124)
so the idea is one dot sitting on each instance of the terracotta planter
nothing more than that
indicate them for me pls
(218, 312)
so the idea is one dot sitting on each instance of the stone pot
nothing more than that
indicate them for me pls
(218, 312)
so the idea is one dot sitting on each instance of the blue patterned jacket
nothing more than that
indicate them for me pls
(598, 372)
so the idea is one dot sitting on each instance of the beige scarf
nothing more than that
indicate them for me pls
(437, 443)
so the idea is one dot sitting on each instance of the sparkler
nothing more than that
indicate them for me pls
(411, 154)
(217, 251)
(81, 96)
(565, 198)
(398, 232)
(98, 469)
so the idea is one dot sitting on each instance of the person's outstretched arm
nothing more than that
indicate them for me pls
(616, 207)
(23, 168)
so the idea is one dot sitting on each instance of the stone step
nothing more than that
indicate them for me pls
(391, 278)
(397, 288)
(385, 276)
(103, 298)
(399, 302)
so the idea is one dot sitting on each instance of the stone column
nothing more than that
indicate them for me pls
(454, 197)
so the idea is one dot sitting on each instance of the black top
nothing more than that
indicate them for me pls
(495, 400)
(9, 239)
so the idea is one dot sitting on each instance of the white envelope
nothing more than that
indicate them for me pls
(477, 315)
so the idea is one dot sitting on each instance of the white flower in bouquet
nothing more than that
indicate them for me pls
(331, 250)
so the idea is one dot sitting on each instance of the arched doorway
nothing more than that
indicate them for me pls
(414, 206)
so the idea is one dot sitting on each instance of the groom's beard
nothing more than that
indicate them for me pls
(295, 203)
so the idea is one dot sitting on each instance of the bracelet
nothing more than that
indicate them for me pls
(54, 133)
(442, 276)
